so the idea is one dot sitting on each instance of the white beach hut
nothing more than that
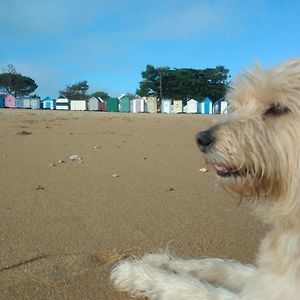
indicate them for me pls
(166, 106)
(137, 105)
(78, 104)
(192, 106)
(93, 103)
(220, 106)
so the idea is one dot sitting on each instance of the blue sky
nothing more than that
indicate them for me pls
(109, 43)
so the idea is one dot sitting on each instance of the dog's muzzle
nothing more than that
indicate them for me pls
(205, 139)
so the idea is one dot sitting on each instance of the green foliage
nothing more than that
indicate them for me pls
(101, 94)
(184, 83)
(152, 81)
(130, 95)
(16, 84)
(76, 91)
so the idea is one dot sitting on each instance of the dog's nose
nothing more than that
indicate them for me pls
(205, 139)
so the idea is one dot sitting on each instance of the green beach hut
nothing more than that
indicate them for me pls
(111, 104)
(124, 104)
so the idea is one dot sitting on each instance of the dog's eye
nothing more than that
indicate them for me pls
(276, 110)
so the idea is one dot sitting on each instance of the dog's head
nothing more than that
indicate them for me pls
(255, 149)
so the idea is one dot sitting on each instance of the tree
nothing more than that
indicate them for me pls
(76, 91)
(130, 95)
(16, 84)
(102, 95)
(9, 69)
(184, 83)
(152, 81)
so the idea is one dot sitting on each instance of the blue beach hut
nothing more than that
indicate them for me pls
(206, 106)
(49, 103)
(1, 101)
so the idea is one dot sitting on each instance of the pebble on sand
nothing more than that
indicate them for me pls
(203, 170)
(75, 157)
(39, 187)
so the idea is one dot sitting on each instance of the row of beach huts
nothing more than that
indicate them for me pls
(118, 104)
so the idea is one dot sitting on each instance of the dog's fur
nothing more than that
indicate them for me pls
(256, 153)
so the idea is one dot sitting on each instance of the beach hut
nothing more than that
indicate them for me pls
(151, 104)
(62, 103)
(35, 102)
(192, 106)
(124, 104)
(49, 103)
(112, 104)
(78, 104)
(166, 106)
(137, 105)
(26, 102)
(223, 107)
(93, 103)
(2, 101)
(206, 106)
(9, 101)
(220, 106)
(177, 106)
(19, 102)
(32, 102)
(102, 104)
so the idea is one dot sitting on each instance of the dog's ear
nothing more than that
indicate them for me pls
(280, 84)
(288, 73)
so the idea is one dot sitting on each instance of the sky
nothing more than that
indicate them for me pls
(109, 43)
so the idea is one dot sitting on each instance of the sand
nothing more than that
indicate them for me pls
(136, 189)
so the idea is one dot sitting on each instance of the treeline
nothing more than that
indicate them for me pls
(184, 83)
(163, 82)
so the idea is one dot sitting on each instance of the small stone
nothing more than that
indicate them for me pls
(39, 187)
(203, 170)
(170, 189)
(52, 165)
(115, 175)
(23, 132)
(144, 158)
(97, 147)
(75, 157)
(61, 161)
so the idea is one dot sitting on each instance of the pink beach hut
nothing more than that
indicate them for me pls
(10, 101)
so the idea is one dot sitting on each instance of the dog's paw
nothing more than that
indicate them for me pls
(145, 277)
(131, 276)
(160, 260)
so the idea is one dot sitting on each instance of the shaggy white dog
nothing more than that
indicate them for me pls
(256, 153)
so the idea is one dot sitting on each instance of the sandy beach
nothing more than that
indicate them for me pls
(137, 188)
